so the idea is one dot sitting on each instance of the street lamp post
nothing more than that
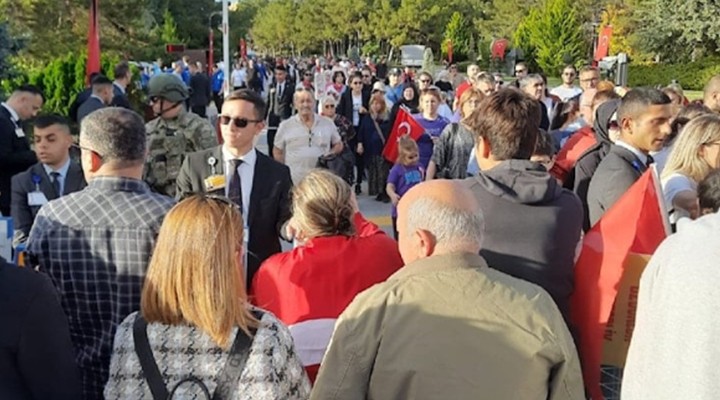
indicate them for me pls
(211, 44)
(226, 46)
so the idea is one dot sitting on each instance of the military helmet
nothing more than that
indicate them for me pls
(169, 87)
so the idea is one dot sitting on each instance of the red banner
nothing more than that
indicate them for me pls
(93, 42)
(614, 252)
(603, 45)
(450, 51)
(243, 48)
(404, 124)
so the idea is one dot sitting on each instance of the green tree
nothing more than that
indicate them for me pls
(457, 32)
(273, 28)
(678, 29)
(168, 30)
(553, 35)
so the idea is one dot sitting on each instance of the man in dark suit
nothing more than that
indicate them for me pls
(644, 117)
(54, 176)
(200, 90)
(123, 76)
(253, 181)
(15, 153)
(102, 96)
(37, 360)
(80, 99)
(279, 101)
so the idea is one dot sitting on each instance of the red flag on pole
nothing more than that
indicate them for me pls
(404, 124)
(614, 253)
(93, 43)
(603, 44)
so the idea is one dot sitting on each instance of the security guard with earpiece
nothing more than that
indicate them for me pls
(173, 133)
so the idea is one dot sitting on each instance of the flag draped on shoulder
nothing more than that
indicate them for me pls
(607, 274)
(404, 124)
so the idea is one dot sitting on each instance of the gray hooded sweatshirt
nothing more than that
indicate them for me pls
(532, 226)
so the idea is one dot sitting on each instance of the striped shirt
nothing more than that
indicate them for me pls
(95, 245)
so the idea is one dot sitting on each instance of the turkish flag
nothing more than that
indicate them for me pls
(93, 42)
(404, 124)
(603, 44)
(614, 254)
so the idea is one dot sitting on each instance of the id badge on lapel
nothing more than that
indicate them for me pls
(214, 182)
(37, 199)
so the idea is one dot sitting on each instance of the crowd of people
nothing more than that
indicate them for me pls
(155, 264)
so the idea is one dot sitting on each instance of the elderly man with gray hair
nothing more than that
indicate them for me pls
(96, 243)
(446, 326)
(534, 86)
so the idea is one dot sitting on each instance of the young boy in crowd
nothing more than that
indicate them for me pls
(406, 173)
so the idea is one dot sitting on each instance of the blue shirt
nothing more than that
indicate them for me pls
(217, 80)
(63, 174)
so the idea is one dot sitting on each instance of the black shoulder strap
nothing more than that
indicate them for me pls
(227, 378)
(147, 361)
(230, 375)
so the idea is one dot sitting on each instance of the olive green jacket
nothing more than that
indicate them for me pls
(449, 327)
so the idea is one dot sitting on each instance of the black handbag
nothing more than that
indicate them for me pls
(226, 380)
(340, 164)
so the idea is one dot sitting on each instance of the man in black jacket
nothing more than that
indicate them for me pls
(15, 153)
(36, 356)
(532, 224)
(279, 104)
(257, 184)
(644, 116)
(123, 76)
(200, 91)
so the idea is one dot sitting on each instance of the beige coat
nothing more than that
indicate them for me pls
(449, 327)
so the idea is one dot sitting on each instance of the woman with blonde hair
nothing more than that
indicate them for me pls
(695, 154)
(341, 254)
(196, 332)
(373, 132)
(451, 153)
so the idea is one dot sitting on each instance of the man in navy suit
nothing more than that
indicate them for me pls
(15, 153)
(123, 76)
(102, 96)
(259, 185)
(644, 116)
(54, 176)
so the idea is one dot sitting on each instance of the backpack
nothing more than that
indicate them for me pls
(227, 377)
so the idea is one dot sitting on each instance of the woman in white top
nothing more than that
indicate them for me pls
(696, 152)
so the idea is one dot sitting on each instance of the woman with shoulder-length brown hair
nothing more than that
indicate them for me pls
(195, 315)
(341, 254)
(373, 132)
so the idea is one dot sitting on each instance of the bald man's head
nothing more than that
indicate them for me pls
(439, 217)
(711, 94)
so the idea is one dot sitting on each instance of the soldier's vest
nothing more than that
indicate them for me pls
(167, 148)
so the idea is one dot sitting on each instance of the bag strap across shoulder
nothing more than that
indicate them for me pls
(227, 378)
(378, 130)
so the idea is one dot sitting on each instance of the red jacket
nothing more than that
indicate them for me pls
(308, 287)
(574, 147)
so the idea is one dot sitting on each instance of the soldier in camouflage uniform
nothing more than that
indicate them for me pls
(174, 133)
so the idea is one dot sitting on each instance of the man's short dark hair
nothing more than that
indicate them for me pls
(44, 121)
(509, 121)
(545, 145)
(116, 134)
(32, 89)
(122, 70)
(280, 68)
(709, 192)
(101, 80)
(637, 100)
(251, 97)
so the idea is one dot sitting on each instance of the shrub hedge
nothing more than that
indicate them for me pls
(690, 75)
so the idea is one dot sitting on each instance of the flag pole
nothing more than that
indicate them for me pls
(93, 41)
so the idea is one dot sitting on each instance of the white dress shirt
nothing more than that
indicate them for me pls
(640, 155)
(247, 174)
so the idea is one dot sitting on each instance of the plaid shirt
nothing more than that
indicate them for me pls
(95, 245)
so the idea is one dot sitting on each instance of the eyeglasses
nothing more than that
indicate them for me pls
(77, 146)
(568, 74)
(593, 79)
(238, 122)
(308, 74)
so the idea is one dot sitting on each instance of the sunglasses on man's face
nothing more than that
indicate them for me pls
(238, 122)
